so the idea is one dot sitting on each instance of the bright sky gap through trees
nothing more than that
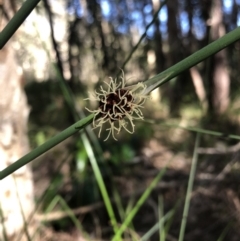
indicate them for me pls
(109, 8)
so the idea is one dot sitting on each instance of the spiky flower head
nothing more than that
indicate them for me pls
(118, 105)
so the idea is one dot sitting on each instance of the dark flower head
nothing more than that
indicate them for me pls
(118, 106)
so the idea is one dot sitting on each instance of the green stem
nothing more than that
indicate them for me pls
(46, 146)
(139, 203)
(199, 130)
(189, 189)
(17, 20)
(193, 59)
(101, 184)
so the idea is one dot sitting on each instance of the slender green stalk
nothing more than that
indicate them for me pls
(224, 232)
(46, 146)
(193, 59)
(101, 185)
(118, 201)
(158, 225)
(17, 20)
(59, 200)
(204, 131)
(189, 189)
(161, 215)
(195, 129)
(139, 203)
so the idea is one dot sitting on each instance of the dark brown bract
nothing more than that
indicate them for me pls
(116, 105)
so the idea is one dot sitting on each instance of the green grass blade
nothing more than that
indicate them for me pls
(139, 203)
(196, 129)
(46, 146)
(189, 189)
(17, 20)
(155, 228)
(101, 185)
(71, 214)
(169, 222)
(161, 215)
(209, 132)
(68, 210)
(119, 205)
(224, 232)
(123, 212)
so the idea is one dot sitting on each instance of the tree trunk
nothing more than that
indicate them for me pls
(175, 56)
(159, 56)
(199, 87)
(220, 81)
(16, 195)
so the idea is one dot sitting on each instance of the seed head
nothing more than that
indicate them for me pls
(118, 105)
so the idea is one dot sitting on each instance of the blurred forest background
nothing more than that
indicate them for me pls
(72, 46)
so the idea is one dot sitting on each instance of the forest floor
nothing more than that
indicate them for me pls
(215, 203)
(129, 167)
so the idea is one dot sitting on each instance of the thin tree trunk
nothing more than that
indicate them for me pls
(219, 97)
(199, 87)
(16, 190)
(175, 56)
(160, 59)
